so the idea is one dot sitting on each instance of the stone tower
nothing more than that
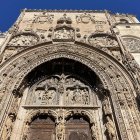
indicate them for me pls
(70, 75)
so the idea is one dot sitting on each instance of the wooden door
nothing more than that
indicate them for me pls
(78, 128)
(42, 128)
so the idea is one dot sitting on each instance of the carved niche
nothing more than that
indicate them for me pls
(133, 44)
(102, 40)
(23, 40)
(60, 90)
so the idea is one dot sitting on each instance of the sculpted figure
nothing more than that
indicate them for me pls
(106, 106)
(77, 96)
(49, 96)
(85, 97)
(110, 128)
(8, 127)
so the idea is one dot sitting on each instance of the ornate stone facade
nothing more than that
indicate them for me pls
(70, 75)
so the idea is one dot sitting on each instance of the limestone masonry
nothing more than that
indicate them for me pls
(70, 75)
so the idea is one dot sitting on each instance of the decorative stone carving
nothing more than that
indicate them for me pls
(102, 40)
(23, 40)
(110, 128)
(64, 20)
(45, 96)
(85, 18)
(44, 18)
(60, 130)
(99, 28)
(77, 96)
(8, 127)
(64, 34)
(132, 44)
(49, 92)
(106, 106)
(9, 52)
(88, 18)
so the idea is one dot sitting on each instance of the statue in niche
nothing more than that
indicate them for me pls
(110, 128)
(49, 96)
(8, 127)
(85, 96)
(106, 106)
(69, 96)
(77, 96)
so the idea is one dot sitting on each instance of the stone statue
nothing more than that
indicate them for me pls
(49, 96)
(85, 96)
(106, 106)
(8, 127)
(110, 128)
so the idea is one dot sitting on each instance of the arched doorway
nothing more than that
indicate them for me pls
(42, 127)
(64, 85)
(78, 128)
(86, 62)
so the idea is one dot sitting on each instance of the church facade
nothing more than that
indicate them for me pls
(70, 75)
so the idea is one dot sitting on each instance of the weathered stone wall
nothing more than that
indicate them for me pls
(103, 42)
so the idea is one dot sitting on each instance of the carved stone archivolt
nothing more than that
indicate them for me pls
(132, 44)
(107, 70)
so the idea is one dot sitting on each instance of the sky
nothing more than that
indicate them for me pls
(10, 9)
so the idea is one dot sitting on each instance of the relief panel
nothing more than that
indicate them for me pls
(61, 90)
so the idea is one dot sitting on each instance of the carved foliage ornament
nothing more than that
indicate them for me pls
(100, 40)
(133, 44)
(23, 40)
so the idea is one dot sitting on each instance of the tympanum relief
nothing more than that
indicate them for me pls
(61, 90)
